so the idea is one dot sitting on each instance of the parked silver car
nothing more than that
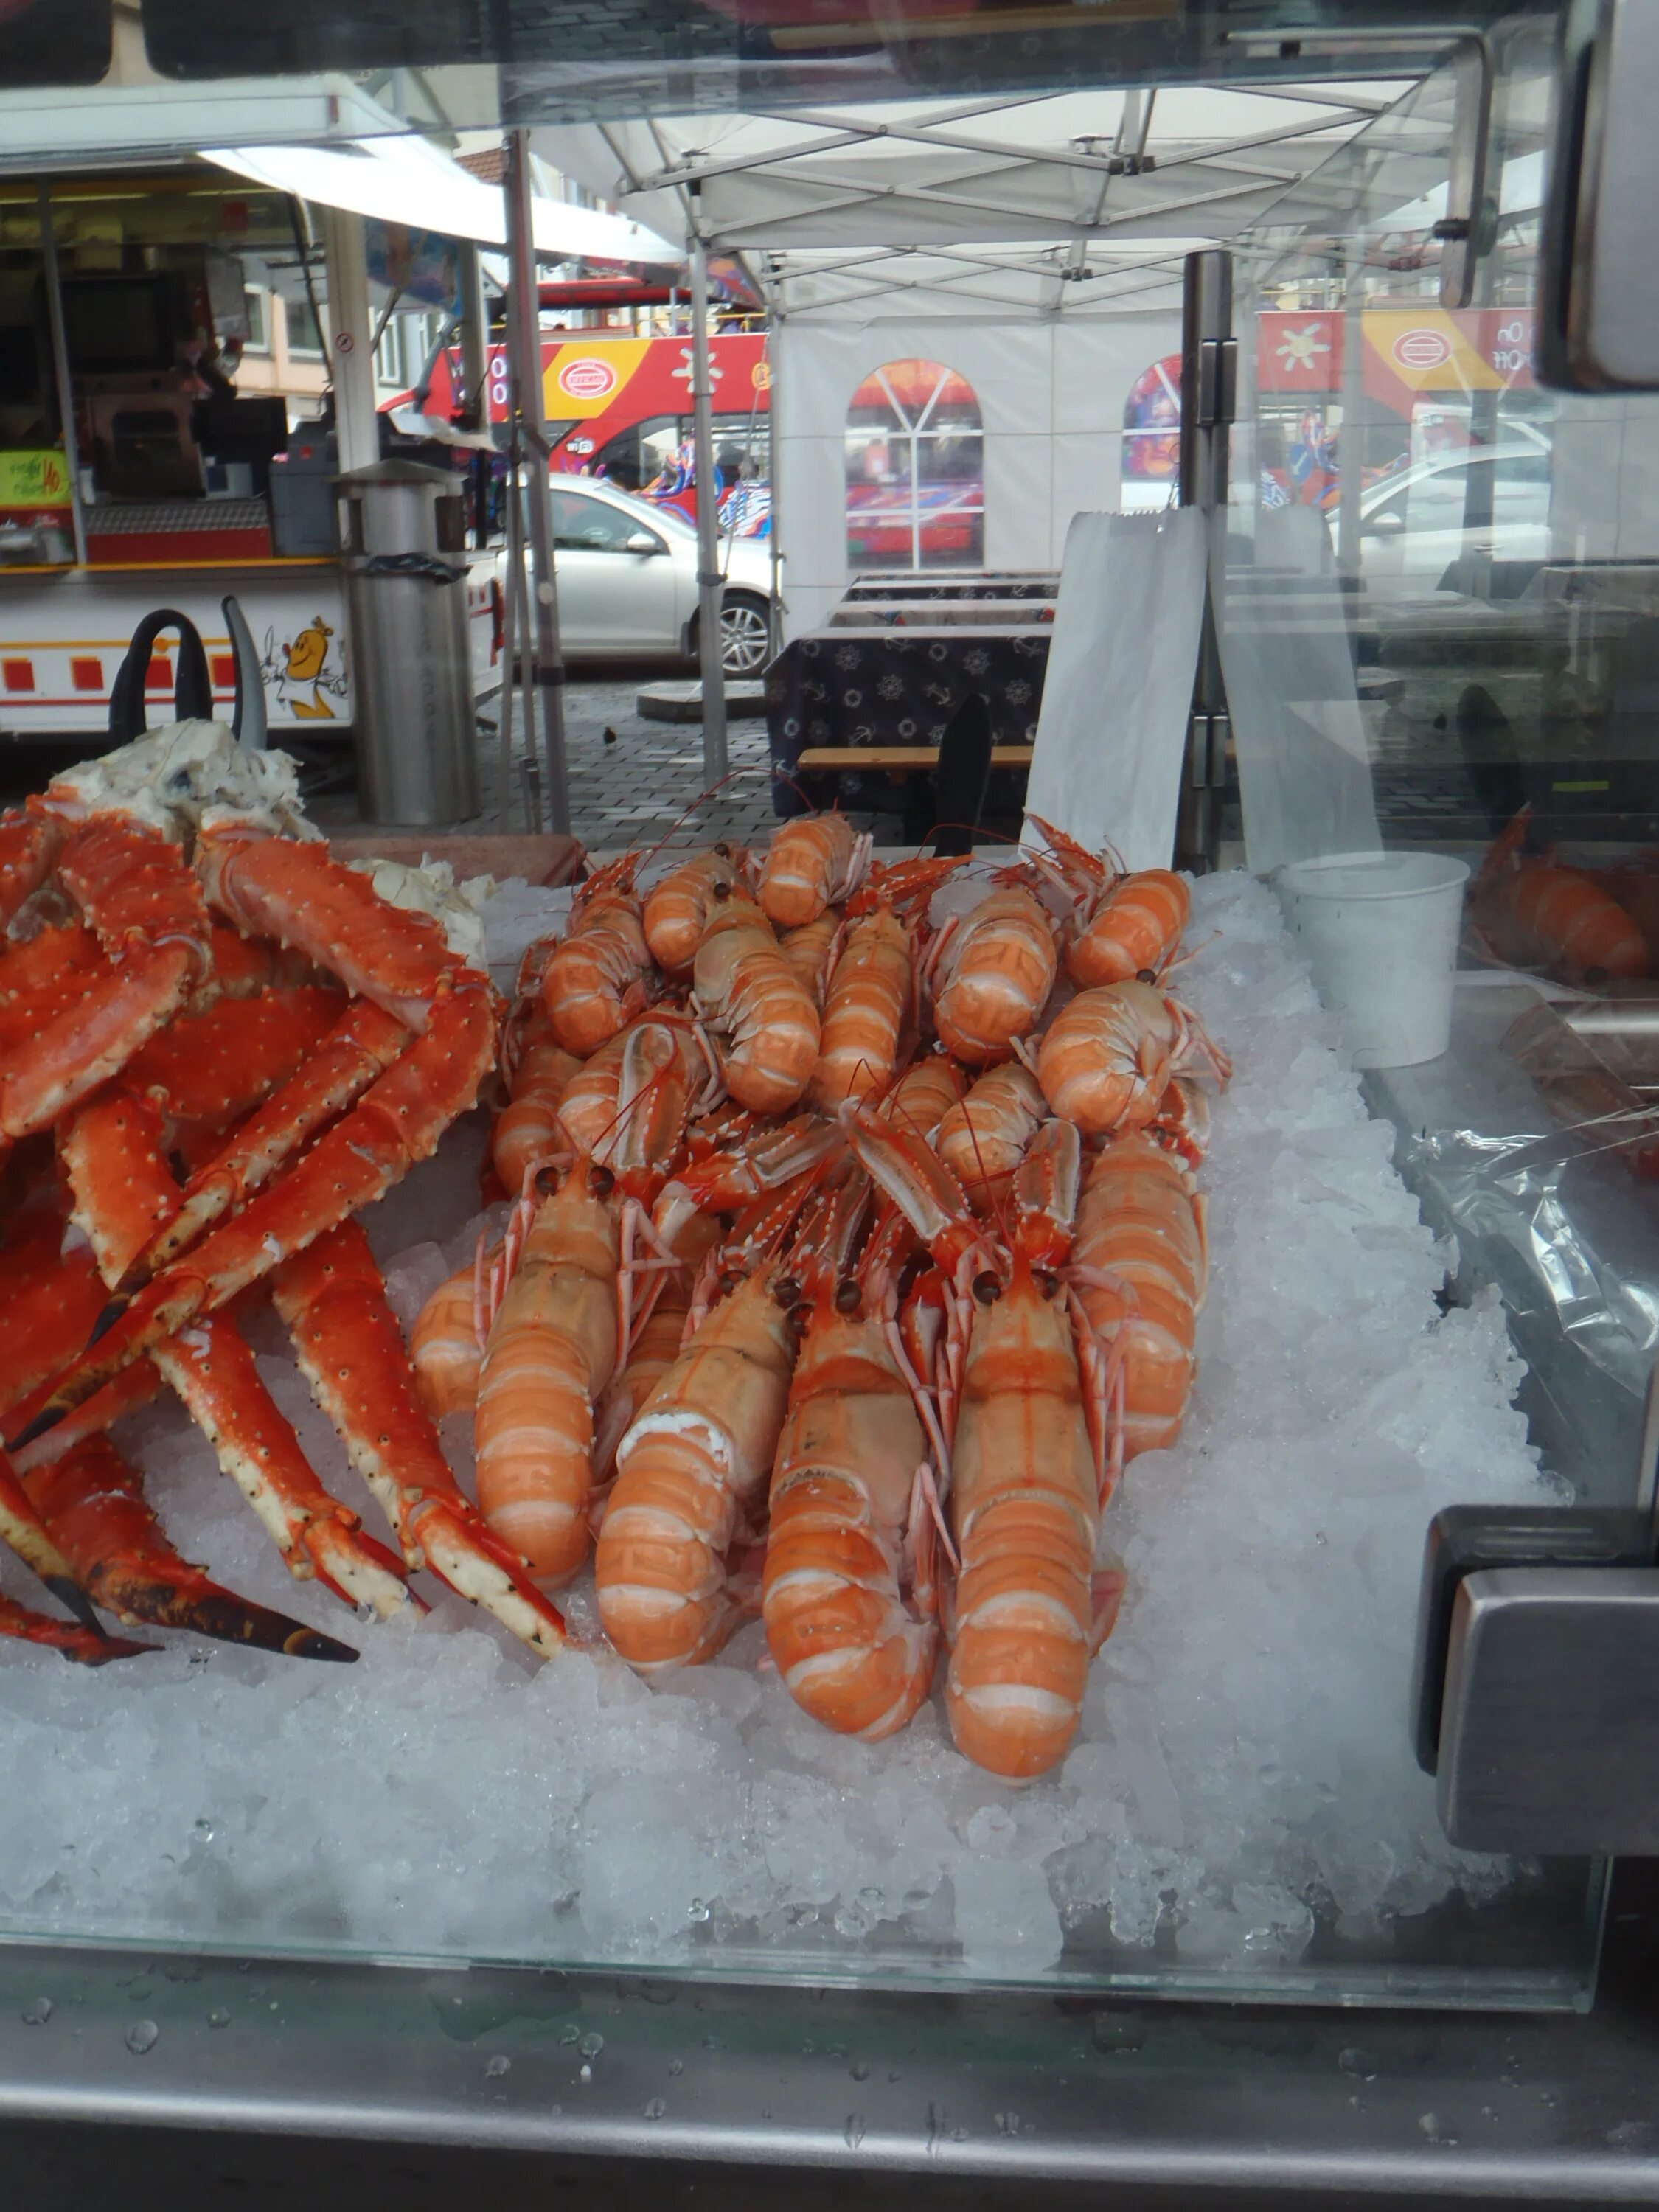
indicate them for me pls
(1412, 526)
(627, 573)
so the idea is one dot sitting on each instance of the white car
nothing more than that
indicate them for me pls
(1413, 526)
(627, 576)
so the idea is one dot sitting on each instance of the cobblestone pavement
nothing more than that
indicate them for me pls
(631, 781)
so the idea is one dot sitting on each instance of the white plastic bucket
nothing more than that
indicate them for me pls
(1380, 931)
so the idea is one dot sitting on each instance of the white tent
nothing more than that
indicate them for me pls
(1031, 244)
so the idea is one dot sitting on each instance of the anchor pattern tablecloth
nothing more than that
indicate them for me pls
(894, 688)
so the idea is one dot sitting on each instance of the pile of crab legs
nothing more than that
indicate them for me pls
(845, 1274)
(217, 1044)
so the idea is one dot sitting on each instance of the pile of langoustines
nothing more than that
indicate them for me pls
(851, 1260)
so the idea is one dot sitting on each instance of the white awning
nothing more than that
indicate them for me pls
(1030, 204)
(407, 180)
(77, 129)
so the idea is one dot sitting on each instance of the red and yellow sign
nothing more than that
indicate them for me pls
(584, 378)
(1407, 350)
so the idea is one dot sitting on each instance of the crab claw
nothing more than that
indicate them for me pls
(94, 1502)
(22, 1529)
(88, 1647)
(349, 1351)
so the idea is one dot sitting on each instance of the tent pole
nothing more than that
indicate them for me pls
(346, 343)
(61, 372)
(524, 348)
(709, 641)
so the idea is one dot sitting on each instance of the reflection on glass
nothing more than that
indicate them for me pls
(915, 486)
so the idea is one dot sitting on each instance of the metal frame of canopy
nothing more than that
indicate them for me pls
(1017, 209)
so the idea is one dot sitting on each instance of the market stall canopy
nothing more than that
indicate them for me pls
(410, 181)
(1034, 202)
(50, 128)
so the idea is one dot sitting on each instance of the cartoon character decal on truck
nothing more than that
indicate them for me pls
(297, 674)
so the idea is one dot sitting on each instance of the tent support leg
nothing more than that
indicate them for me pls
(545, 701)
(709, 580)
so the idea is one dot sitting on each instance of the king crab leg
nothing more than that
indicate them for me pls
(122, 1186)
(349, 1351)
(88, 1647)
(293, 891)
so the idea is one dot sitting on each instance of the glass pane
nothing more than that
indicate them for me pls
(914, 469)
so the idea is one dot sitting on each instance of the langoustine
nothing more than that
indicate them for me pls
(992, 974)
(848, 1593)
(1024, 1404)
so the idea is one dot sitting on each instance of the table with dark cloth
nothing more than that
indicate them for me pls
(898, 687)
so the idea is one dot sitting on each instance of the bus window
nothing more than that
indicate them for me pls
(916, 470)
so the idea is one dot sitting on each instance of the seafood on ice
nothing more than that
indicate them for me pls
(847, 1259)
(220, 1044)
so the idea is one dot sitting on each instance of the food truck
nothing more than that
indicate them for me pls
(134, 473)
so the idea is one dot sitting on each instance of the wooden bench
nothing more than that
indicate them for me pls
(899, 760)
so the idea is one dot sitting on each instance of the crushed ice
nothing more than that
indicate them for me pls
(1242, 1769)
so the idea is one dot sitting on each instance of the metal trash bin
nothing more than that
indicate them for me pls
(402, 540)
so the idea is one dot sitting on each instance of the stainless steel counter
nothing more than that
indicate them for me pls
(359, 2084)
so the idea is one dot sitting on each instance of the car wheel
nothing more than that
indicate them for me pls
(746, 634)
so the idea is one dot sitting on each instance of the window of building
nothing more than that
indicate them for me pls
(258, 323)
(389, 355)
(915, 470)
(304, 340)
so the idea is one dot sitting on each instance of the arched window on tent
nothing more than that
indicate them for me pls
(915, 470)
(1151, 437)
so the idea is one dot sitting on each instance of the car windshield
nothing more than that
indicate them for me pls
(661, 517)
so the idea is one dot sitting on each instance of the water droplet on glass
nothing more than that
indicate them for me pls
(859, 2070)
(872, 1897)
(143, 2035)
(591, 2044)
(495, 2067)
(1435, 2128)
(895, 2075)
(37, 2011)
(586, 2074)
(853, 2131)
(1007, 2124)
(655, 2109)
(218, 2017)
(697, 1910)
(1363, 2063)
(569, 2032)
(204, 1830)
(676, 2066)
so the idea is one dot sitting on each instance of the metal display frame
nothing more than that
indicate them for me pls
(357, 2082)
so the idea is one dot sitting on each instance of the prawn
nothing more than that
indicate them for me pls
(852, 1498)
(1556, 915)
(595, 976)
(811, 863)
(982, 1140)
(1140, 1260)
(691, 1476)
(1024, 1400)
(745, 986)
(1108, 1059)
(869, 1013)
(1124, 923)
(677, 908)
(994, 969)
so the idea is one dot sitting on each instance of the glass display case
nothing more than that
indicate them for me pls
(1434, 1282)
